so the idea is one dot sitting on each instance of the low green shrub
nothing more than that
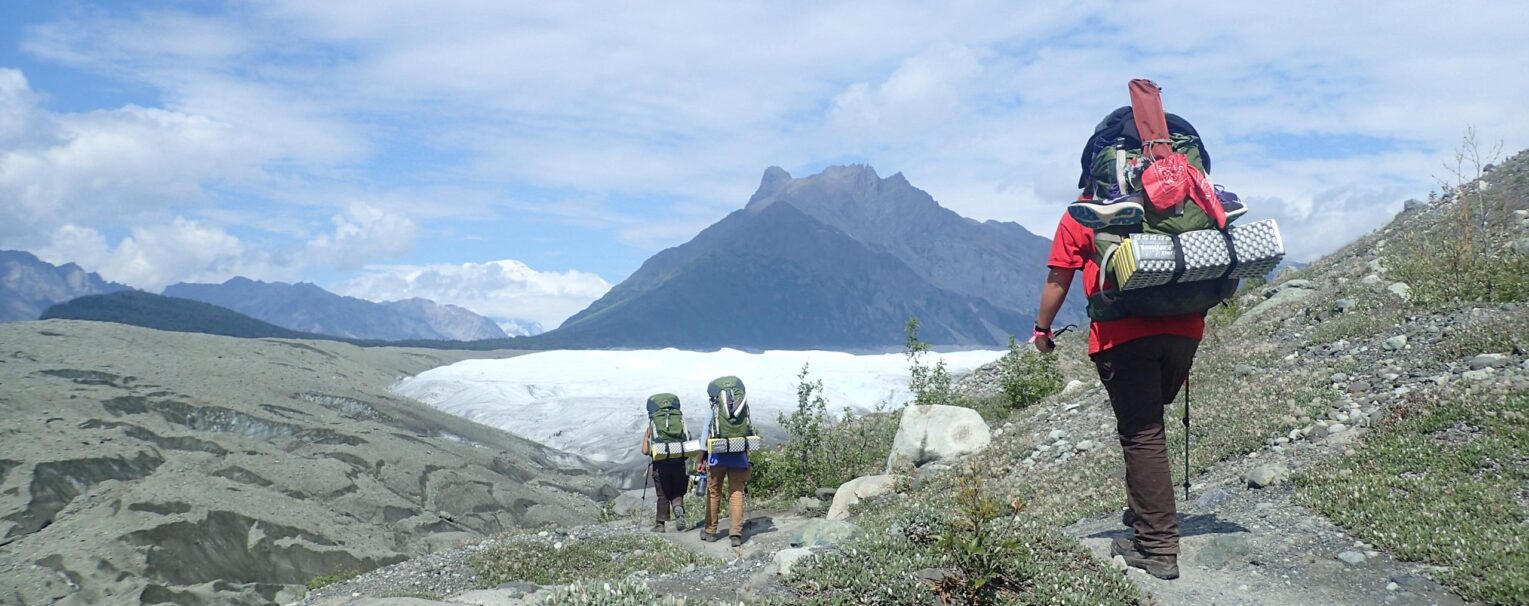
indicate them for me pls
(1028, 375)
(626, 592)
(1443, 482)
(538, 560)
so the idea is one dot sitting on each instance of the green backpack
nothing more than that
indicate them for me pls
(665, 419)
(1117, 155)
(730, 408)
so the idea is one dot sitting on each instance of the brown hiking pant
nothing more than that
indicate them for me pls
(736, 478)
(1142, 376)
(670, 482)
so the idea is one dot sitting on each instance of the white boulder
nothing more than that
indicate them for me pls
(934, 432)
(857, 490)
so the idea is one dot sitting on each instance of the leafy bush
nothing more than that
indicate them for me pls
(541, 561)
(1028, 376)
(982, 547)
(339, 576)
(820, 451)
(929, 384)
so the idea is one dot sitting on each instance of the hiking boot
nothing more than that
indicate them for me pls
(679, 518)
(1128, 518)
(1231, 204)
(710, 537)
(1164, 567)
(658, 527)
(737, 540)
(1125, 210)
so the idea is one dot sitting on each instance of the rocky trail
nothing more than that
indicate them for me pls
(1248, 547)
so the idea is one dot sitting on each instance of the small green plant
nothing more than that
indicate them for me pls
(982, 548)
(1028, 376)
(339, 576)
(929, 384)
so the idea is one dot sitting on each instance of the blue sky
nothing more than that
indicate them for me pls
(518, 160)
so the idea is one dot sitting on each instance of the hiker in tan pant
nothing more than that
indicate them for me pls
(736, 479)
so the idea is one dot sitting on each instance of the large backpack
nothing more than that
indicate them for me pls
(730, 408)
(1116, 157)
(665, 419)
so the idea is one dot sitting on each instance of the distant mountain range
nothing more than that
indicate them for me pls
(29, 285)
(841, 260)
(307, 308)
(837, 260)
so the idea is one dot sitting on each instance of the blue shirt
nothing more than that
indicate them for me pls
(733, 460)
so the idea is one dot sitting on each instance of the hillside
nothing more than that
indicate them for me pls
(29, 285)
(835, 260)
(173, 314)
(307, 308)
(1359, 435)
(140, 466)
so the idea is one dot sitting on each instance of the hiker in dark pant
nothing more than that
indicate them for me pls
(670, 482)
(1142, 361)
(666, 425)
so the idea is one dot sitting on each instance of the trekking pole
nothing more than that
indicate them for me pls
(647, 476)
(1186, 437)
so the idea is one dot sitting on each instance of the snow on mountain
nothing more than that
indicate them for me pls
(591, 402)
(520, 328)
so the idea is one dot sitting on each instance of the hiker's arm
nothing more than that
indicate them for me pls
(645, 434)
(1052, 295)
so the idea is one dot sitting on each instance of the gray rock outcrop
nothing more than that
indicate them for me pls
(857, 490)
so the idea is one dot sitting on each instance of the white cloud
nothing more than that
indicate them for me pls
(154, 257)
(363, 233)
(503, 290)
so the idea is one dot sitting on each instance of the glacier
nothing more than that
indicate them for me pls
(591, 403)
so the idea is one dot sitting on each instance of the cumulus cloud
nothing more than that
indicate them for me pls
(363, 233)
(506, 291)
(154, 257)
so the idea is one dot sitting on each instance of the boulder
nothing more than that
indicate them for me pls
(1267, 474)
(934, 432)
(786, 558)
(1490, 360)
(806, 505)
(857, 490)
(825, 533)
(1401, 290)
(1284, 296)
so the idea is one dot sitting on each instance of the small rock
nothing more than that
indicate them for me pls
(1277, 449)
(1119, 562)
(1370, 279)
(1084, 445)
(825, 533)
(1072, 386)
(1336, 428)
(1211, 499)
(1340, 377)
(1267, 474)
(1056, 434)
(825, 493)
(806, 505)
(1353, 558)
(1221, 550)
(1392, 586)
(1490, 360)
(1302, 284)
(1478, 375)
(1343, 305)
(1401, 290)
(1316, 432)
(1244, 370)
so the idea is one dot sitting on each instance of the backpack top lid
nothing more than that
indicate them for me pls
(661, 401)
(1121, 124)
(729, 383)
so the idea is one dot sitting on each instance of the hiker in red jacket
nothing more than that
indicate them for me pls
(1142, 361)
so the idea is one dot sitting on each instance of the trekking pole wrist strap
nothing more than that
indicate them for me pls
(1040, 333)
